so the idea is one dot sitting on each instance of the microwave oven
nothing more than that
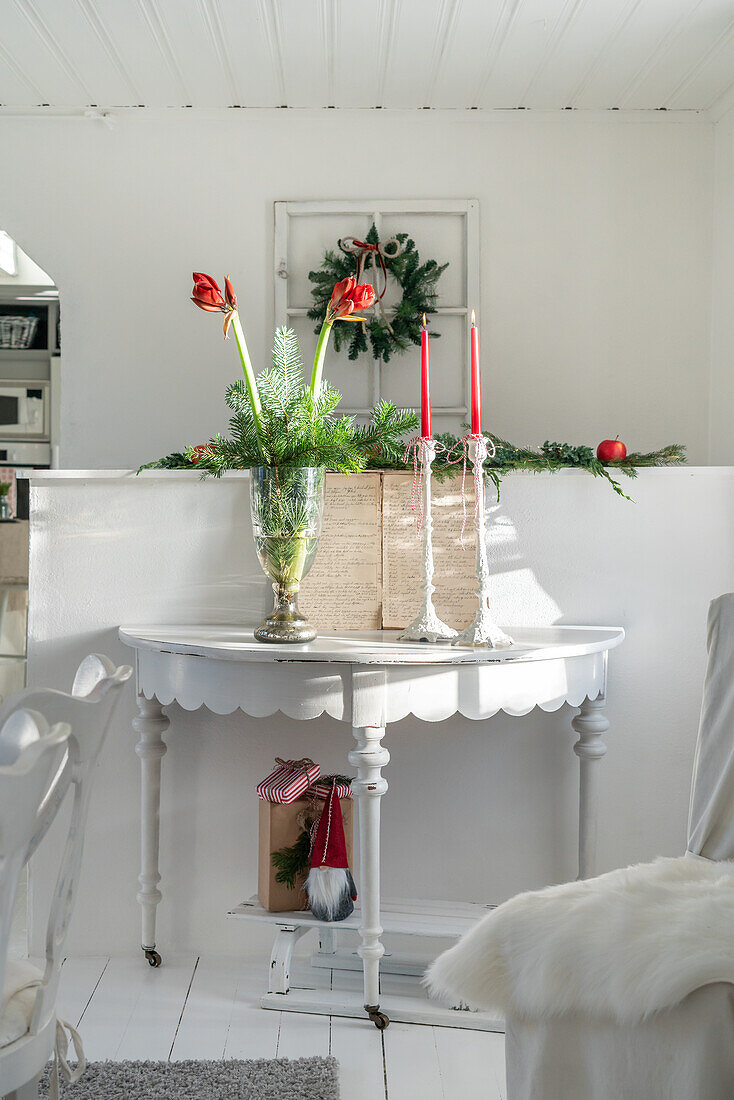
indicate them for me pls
(24, 410)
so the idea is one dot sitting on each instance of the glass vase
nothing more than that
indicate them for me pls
(287, 506)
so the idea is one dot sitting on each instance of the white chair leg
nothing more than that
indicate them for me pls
(26, 1092)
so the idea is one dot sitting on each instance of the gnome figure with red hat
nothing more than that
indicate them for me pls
(330, 886)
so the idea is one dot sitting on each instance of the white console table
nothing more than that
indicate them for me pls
(368, 679)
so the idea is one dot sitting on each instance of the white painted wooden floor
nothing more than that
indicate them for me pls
(209, 1008)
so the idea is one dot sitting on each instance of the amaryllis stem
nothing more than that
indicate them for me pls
(248, 372)
(318, 362)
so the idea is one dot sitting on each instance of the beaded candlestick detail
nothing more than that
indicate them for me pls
(427, 627)
(483, 631)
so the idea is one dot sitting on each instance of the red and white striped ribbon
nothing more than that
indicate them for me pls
(323, 790)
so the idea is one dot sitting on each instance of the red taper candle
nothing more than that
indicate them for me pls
(476, 385)
(425, 384)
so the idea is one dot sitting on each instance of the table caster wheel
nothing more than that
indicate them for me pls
(153, 957)
(379, 1019)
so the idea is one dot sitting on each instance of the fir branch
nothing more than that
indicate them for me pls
(292, 863)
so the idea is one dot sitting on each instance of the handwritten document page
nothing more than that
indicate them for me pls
(454, 577)
(343, 591)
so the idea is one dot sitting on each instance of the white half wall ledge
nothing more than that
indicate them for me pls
(111, 548)
(42, 477)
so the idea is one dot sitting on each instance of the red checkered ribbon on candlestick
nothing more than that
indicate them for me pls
(322, 790)
(289, 780)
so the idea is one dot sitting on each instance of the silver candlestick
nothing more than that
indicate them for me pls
(483, 631)
(427, 627)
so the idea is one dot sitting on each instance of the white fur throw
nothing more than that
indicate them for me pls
(620, 946)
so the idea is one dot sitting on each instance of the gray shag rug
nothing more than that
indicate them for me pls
(263, 1079)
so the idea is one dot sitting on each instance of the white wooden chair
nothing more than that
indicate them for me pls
(622, 986)
(38, 765)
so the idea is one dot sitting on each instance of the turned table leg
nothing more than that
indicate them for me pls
(150, 723)
(590, 724)
(369, 758)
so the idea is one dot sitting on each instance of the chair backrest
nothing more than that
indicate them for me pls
(35, 770)
(711, 810)
(88, 710)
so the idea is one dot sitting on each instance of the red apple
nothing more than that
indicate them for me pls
(611, 450)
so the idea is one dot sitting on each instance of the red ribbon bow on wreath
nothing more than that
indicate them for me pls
(377, 254)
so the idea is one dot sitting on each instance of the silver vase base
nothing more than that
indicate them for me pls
(484, 632)
(427, 627)
(292, 632)
(285, 624)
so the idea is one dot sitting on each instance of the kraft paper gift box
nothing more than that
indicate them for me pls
(280, 827)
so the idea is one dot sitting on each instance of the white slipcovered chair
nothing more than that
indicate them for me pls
(38, 764)
(622, 986)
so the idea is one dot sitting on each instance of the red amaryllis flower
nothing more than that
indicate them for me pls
(206, 293)
(363, 296)
(208, 296)
(346, 297)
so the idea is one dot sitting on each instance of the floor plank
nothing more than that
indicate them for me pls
(303, 1035)
(411, 1062)
(136, 1009)
(358, 1047)
(472, 1064)
(207, 1019)
(78, 981)
(253, 1032)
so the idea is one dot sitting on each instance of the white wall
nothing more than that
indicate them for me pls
(475, 810)
(722, 296)
(595, 244)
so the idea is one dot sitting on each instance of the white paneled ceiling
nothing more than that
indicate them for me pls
(542, 54)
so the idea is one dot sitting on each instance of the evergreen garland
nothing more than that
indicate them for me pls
(550, 457)
(508, 457)
(417, 280)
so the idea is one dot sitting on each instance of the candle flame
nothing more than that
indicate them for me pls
(473, 318)
(424, 321)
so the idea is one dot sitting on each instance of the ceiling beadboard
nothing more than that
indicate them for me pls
(464, 54)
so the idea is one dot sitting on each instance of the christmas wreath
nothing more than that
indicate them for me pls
(376, 261)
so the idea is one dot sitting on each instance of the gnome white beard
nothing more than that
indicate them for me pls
(330, 892)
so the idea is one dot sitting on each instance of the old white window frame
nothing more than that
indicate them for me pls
(467, 208)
